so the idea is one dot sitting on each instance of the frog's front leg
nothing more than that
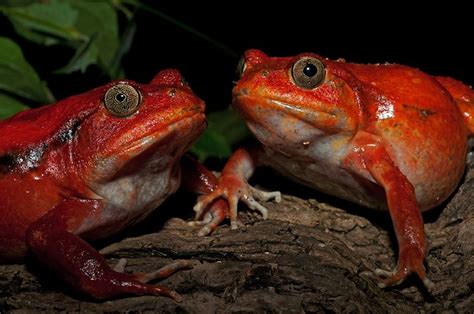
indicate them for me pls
(233, 186)
(53, 240)
(200, 180)
(405, 214)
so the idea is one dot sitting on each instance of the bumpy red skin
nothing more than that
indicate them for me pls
(48, 170)
(383, 136)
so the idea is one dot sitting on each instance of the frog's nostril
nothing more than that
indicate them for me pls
(172, 92)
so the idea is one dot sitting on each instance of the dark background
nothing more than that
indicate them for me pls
(436, 39)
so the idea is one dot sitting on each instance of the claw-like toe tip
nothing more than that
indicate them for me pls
(382, 272)
(194, 223)
(234, 225)
(204, 231)
(176, 296)
(428, 284)
(381, 285)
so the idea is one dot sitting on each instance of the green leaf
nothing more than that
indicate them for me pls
(125, 44)
(85, 55)
(9, 106)
(13, 3)
(98, 20)
(18, 77)
(90, 27)
(225, 130)
(45, 23)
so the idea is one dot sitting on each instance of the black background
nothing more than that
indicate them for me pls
(437, 39)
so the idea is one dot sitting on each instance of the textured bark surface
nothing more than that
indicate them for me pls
(308, 257)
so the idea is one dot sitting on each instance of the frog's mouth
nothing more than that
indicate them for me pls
(157, 149)
(253, 107)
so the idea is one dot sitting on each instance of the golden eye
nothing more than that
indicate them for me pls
(122, 100)
(308, 72)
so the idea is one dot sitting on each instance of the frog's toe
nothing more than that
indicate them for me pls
(164, 272)
(255, 196)
(253, 204)
(428, 284)
(218, 212)
(204, 202)
(120, 266)
(196, 223)
(165, 291)
(394, 278)
(389, 278)
(266, 196)
(383, 273)
(208, 227)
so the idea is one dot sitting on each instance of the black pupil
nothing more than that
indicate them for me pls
(120, 97)
(310, 70)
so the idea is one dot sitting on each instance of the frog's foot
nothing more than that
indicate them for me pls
(213, 217)
(160, 274)
(408, 264)
(233, 190)
(393, 278)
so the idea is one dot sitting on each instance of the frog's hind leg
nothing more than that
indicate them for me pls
(53, 240)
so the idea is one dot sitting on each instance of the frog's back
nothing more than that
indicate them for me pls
(27, 192)
(411, 86)
(421, 125)
(34, 127)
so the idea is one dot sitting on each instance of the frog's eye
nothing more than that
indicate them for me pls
(308, 72)
(122, 100)
(241, 66)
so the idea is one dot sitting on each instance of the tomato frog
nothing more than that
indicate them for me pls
(90, 165)
(384, 136)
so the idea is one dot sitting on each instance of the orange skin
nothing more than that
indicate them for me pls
(383, 136)
(73, 170)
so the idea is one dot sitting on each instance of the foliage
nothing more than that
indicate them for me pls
(225, 130)
(19, 78)
(88, 27)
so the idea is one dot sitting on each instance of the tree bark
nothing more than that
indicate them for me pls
(309, 256)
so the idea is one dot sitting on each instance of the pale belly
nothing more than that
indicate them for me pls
(328, 178)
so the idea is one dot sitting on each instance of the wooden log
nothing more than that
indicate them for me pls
(309, 256)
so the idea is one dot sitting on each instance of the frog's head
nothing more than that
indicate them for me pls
(294, 99)
(136, 133)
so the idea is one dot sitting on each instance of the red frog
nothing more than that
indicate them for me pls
(90, 165)
(385, 136)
